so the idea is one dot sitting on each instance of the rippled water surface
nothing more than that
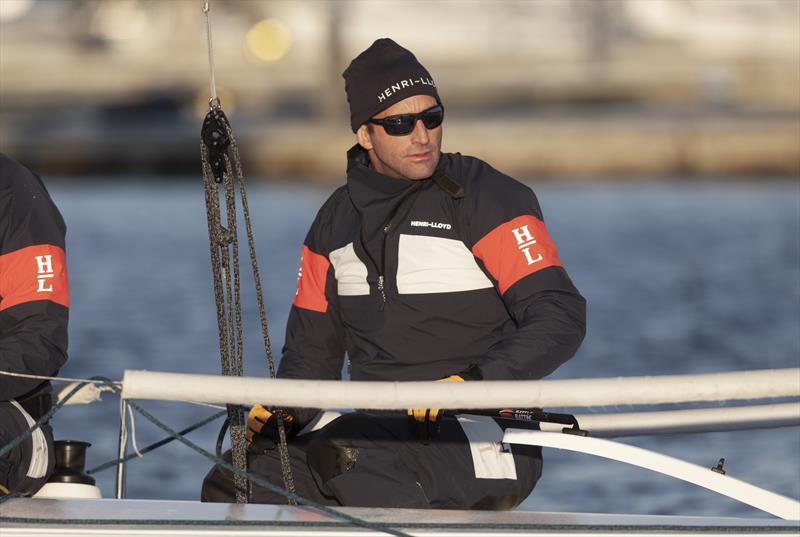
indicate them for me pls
(680, 278)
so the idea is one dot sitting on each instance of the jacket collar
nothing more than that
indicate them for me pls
(367, 186)
(370, 189)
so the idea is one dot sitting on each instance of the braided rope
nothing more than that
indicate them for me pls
(283, 447)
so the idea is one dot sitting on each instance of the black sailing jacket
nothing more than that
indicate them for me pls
(33, 282)
(418, 280)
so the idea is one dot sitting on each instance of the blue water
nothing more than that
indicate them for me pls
(680, 278)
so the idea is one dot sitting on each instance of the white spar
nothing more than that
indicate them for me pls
(767, 501)
(771, 383)
(696, 420)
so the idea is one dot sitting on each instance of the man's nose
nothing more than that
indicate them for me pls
(420, 133)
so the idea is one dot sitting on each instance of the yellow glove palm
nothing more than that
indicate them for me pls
(426, 420)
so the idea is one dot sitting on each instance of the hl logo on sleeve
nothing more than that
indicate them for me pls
(45, 270)
(516, 249)
(524, 242)
(36, 272)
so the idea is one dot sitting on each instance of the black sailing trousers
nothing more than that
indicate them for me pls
(18, 471)
(377, 460)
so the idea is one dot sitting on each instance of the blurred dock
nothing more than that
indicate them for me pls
(556, 88)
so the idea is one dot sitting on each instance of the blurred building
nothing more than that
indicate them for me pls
(556, 87)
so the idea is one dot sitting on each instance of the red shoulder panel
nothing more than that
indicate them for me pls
(310, 293)
(36, 272)
(516, 249)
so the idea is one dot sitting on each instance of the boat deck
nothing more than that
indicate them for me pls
(39, 517)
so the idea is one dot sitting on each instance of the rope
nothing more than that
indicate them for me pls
(84, 382)
(49, 414)
(156, 445)
(266, 484)
(226, 298)
(179, 437)
(283, 446)
(133, 432)
(220, 167)
(123, 431)
(59, 379)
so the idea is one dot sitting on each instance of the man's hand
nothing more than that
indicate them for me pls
(262, 428)
(426, 420)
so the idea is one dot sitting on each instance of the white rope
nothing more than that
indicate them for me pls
(89, 393)
(133, 430)
(740, 385)
(214, 101)
(209, 405)
(56, 379)
(123, 426)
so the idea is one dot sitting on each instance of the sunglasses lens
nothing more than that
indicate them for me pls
(399, 125)
(433, 117)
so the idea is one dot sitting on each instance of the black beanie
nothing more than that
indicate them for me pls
(381, 76)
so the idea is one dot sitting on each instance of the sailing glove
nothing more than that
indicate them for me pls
(426, 421)
(262, 428)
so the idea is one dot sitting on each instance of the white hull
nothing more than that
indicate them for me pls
(40, 518)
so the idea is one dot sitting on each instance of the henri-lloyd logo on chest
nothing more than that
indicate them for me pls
(402, 84)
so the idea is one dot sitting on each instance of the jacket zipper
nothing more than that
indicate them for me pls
(381, 278)
(386, 228)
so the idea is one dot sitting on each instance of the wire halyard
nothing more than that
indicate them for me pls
(214, 100)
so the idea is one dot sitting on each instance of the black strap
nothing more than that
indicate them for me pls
(448, 184)
(37, 406)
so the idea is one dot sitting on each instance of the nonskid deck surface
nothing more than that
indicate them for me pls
(27, 517)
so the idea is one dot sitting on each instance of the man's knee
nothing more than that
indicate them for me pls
(336, 449)
(358, 460)
(333, 452)
(218, 485)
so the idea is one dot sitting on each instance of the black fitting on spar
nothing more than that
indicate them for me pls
(539, 415)
(719, 468)
(214, 134)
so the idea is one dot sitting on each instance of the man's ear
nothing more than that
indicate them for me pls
(363, 137)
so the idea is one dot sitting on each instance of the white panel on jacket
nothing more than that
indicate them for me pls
(351, 272)
(436, 265)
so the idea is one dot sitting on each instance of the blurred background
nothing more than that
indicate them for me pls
(662, 138)
(555, 87)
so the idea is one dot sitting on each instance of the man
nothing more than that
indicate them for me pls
(33, 322)
(424, 266)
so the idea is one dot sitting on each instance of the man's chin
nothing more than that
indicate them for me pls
(422, 170)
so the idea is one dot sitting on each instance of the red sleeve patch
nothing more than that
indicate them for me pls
(34, 273)
(516, 249)
(310, 293)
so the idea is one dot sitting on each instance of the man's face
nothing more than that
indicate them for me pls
(413, 156)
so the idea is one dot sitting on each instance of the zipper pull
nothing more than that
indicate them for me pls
(382, 291)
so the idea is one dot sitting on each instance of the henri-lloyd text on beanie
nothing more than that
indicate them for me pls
(381, 76)
(402, 84)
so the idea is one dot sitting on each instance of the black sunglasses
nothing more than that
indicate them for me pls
(403, 124)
